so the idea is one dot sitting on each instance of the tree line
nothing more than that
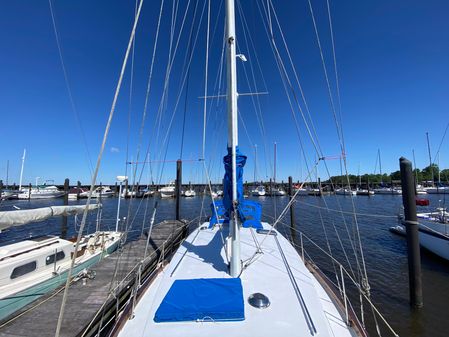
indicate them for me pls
(422, 176)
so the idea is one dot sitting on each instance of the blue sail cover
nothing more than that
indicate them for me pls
(227, 188)
(249, 212)
(215, 299)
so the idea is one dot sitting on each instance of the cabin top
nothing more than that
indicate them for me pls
(26, 246)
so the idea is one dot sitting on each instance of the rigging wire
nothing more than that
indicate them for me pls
(205, 81)
(94, 176)
(69, 89)
(130, 98)
(287, 83)
(190, 51)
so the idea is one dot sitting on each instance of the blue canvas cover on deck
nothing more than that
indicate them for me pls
(215, 299)
(227, 188)
(250, 213)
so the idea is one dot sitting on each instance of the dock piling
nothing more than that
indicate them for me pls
(78, 190)
(292, 208)
(411, 225)
(178, 188)
(66, 202)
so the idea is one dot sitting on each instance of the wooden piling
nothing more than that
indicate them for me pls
(78, 191)
(66, 202)
(292, 208)
(178, 188)
(412, 226)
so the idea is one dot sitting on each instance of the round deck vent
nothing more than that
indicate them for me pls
(258, 300)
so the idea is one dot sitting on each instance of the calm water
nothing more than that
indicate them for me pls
(385, 253)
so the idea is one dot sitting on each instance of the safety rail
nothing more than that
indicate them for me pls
(341, 285)
(123, 297)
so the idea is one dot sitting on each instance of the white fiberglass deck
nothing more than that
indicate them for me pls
(202, 256)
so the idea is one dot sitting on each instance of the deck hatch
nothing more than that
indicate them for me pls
(215, 299)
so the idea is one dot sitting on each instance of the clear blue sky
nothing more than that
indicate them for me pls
(392, 59)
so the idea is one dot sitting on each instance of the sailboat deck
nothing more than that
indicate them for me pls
(202, 256)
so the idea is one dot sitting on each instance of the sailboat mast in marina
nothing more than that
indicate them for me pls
(235, 265)
(236, 275)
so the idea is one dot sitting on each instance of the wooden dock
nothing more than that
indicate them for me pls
(93, 302)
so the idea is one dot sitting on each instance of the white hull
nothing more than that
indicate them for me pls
(435, 242)
(189, 193)
(102, 192)
(345, 192)
(391, 191)
(278, 193)
(303, 192)
(168, 191)
(259, 192)
(5, 195)
(30, 287)
(314, 191)
(364, 192)
(202, 257)
(102, 195)
(440, 190)
(50, 195)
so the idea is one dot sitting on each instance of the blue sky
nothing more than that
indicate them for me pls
(391, 58)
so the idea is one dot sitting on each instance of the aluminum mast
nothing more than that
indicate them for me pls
(235, 266)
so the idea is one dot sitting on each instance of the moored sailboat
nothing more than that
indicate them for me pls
(31, 268)
(224, 279)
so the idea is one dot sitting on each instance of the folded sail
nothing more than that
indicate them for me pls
(22, 217)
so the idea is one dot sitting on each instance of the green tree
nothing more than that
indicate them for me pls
(445, 175)
(427, 172)
(396, 175)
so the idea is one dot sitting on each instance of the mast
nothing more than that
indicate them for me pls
(380, 167)
(235, 266)
(255, 163)
(414, 164)
(439, 171)
(7, 173)
(430, 157)
(21, 170)
(360, 178)
(274, 173)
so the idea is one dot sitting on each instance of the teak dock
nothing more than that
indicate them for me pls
(93, 302)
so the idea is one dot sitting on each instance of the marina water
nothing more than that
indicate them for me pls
(318, 218)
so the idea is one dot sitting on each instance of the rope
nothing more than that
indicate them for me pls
(205, 81)
(94, 177)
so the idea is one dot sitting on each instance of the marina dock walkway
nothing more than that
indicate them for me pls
(85, 306)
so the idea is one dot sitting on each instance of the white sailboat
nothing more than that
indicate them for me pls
(37, 191)
(102, 192)
(41, 192)
(437, 190)
(189, 193)
(345, 191)
(433, 231)
(78, 193)
(6, 193)
(388, 190)
(33, 267)
(276, 191)
(362, 191)
(259, 191)
(168, 191)
(252, 284)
